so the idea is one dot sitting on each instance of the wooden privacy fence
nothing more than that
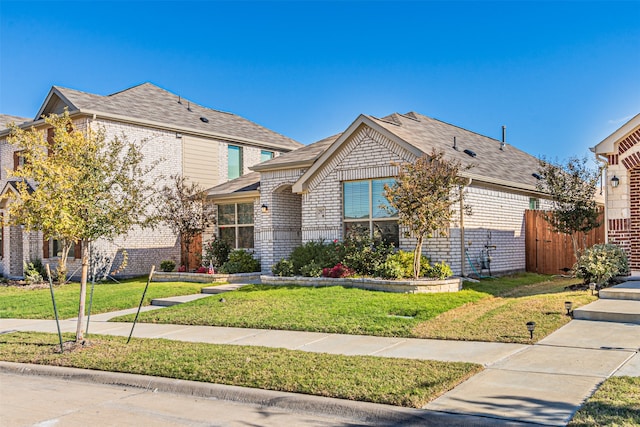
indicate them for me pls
(552, 253)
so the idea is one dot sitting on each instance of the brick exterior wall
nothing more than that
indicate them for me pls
(634, 200)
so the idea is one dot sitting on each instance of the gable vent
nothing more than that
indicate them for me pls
(204, 119)
(470, 152)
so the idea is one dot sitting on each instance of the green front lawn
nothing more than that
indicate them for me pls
(492, 310)
(22, 303)
(615, 403)
(400, 382)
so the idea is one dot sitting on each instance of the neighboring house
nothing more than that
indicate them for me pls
(320, 191)
(621, 153)
(207, 146)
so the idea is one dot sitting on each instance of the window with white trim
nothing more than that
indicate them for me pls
(235, 224)
(234, 161)
(364, 206)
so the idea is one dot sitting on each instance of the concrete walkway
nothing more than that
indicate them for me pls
(543, 383)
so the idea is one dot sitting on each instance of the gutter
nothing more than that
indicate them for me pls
(602, 158)
(158, 125)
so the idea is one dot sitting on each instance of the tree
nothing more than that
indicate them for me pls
(85, 188)
(184, 208)
(423, 195)
(571, 185)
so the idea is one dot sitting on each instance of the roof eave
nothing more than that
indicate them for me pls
(233, 196)
(281, 166)
(607, 145)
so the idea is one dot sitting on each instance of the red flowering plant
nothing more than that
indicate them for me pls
(338, 271)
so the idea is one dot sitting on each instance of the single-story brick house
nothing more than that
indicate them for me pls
(206, 145)
(620, 151)
(321, 190)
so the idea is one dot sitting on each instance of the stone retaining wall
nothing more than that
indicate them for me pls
(398, 286)
(161, 276)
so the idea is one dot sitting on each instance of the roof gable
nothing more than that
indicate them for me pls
(607, 145)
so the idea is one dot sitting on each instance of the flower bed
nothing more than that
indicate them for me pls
(421, 286)
(161, 276)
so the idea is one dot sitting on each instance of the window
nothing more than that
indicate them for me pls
(534, 204)
(52, 248)
(364, 203)
(266, 155)
(18, 159)
(234, 162)
(235, 224)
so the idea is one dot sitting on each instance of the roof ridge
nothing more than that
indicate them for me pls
(391, 119)
(459, 127)
(410, 115)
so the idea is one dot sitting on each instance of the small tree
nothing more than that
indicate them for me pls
(85, 188)
(423, 195)
(572, 186)
(184, 208)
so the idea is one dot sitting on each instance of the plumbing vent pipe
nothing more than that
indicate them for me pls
(504, 138)
(455, 145)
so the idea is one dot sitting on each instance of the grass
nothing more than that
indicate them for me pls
(23, 303)
(492, 310)
(615, 403)
(400, 382)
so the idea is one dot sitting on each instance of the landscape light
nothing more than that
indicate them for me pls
(530, 327)
(567, 306)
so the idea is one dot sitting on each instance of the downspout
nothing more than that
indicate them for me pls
(462, 246)
(602, 158)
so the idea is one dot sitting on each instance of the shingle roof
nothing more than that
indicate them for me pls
(245, 183)
(151, 103)
(298, 158)
(424, 133)
(5, 119)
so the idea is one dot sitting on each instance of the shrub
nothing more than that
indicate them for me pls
(439, 271)
(182, 269)
(284, 267)
(216, 252)
(314, 252)
(338, 271)
(240, 261)
(364, 254)
(312, 269)
(167, 265)
(399, 265)
(601, 263)
(33, 272)
(202, 270)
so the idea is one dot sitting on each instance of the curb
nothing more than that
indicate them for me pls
(365, 412)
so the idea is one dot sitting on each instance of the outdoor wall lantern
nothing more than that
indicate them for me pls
(530, 327)
(592, 286)
(567, 306)
(615, 181)
(265, 208)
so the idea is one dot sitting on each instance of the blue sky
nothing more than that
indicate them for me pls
(560, 75)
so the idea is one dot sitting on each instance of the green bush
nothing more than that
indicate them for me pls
(216, 253)
(600, 263)
(439, 271)
(283, 268)
(313, 269)
(33, 272)
(400, 266)
(363, 253)
(167, 265)
(314, 252)
(240, 261)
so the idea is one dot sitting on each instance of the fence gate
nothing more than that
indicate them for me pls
(552, 253)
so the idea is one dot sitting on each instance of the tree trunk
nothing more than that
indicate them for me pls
(417, 257)
(83, 290)
(574, 242)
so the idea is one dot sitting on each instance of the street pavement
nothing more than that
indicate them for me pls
(542, 384)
